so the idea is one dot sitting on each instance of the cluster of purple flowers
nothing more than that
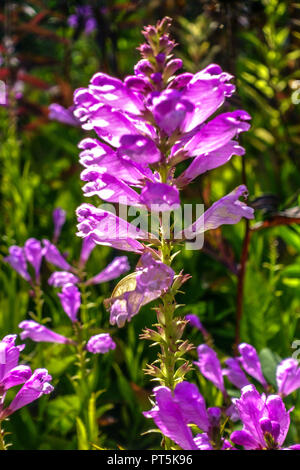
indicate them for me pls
(84, 17)
(35, 384)
(67, 279)
(264, 417)
(148, 124)
(287, 372)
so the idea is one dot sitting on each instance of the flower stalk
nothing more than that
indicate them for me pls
(2, 433)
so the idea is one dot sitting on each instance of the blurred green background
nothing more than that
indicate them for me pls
(245, 282)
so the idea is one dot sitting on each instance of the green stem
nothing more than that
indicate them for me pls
(2, 443)
(38, 300)
(83, 307)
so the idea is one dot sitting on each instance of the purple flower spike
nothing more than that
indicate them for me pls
(59, 218)
(70, 300)
(210, 366)
(235, 374)
(34, 254)
(117, 267)
(251, 363)
(288, 376)
(265, 420)
(53, 256)
(40, 333)
(36, 386)
(209, 161)
(100, 344)
(17, 260)
(60, 278)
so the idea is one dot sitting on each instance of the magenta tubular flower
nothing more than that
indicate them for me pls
(208, 161)
(288, 376)
(151, 279)
(87, 247)
(53, 256)
(251, 363)
(34, 254)
(100, 344)
(17, 260)
(117, 267)
(170, 419)
(265, 420)
(64, 115)
(210, 366)
(9, 356)
(39, 333)
(16, 376)
(196, 323)
(173, 412)
(59, 218)
(36, 386)
(60, 278)
(70, 300)
(235, 374)
(105, 228)
(228, 210)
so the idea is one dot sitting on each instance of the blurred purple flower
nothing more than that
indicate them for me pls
(60, 278)
(34, 254)
(265, 420)
(53, 256)
(235, 374)
(100, 344)
(83, 16)
(251, 363)
(59, 218)
(70, 300)
(40, 333)
(113, 270)
(210, 366)
(288, 376)
(196, 323)
(17, 260)
(87, 247)
(64, 115)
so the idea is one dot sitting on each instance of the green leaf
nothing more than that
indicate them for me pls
(93, 428)
(82, 438)
(269, 361)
